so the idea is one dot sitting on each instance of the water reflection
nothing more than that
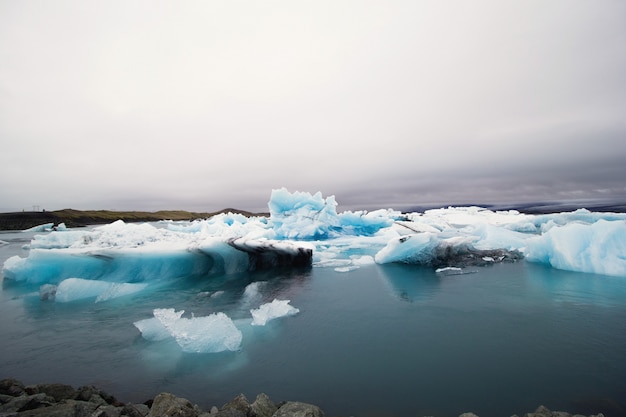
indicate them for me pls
(576, 288)
(411, 283)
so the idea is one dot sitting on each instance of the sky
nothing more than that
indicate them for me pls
(201, 105)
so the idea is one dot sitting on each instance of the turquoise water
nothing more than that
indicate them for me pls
(390, 340)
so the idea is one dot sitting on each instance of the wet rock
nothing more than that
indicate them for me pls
(27, 402)
(238, 406)
(57, 391)
(93, 394)
(107, 411)
(298, 409)
(67, 408)
(135, 410)
(169, 405)
(262, 407)
(11, 387)
(229, 412)
(468, 415)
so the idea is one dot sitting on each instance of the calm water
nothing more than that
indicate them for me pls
(390, 340)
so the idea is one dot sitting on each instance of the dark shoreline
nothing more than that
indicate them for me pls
(78, 218)
(62, 400)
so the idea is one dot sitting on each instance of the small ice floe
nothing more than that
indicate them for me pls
(271, 311)
(452, 270)
(207, 334)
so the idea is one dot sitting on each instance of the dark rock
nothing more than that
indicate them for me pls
(135, 410)
(67, 408)
(541, 411)
(5, 398)
(93, 394)
(230, 412)
(107, 411)
(298, 409)
(239, 403)
(57, 391)
(27, 402)
(262, 407)
(12, 387)
(168, 405)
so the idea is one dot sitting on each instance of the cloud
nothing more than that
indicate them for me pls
(156, 105)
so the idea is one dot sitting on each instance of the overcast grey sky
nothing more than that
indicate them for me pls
(201, 105)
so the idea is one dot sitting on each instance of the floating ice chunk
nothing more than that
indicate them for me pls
(302, 215)
(208, 334)
(415, 248)
(46, 227)
(597, 248)
(73, 289)
(58, 239)
(441, 249)
(449, 268)
(271, 311)
(152, 329)
(346, 268)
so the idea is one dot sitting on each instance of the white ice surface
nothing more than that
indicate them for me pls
(207, 334)
(271, 311)
(129, 253)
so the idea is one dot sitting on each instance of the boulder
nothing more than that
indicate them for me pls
(26, 402)
(239, 404)
(57, 391)
(107, 411)
(298, 409)
(230, 412)
(169, 405)
(135, 410)
(12, 387)
(541, 411)
(67, 408)
(87, 393)
(262, 407)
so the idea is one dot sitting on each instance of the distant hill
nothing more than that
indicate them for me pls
(78, 218)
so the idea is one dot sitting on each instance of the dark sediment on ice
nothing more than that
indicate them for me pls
(61, 400)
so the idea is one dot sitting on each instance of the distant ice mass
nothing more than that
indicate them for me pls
(271, 311)
(305, 230)
(46, 227)
(207, 334)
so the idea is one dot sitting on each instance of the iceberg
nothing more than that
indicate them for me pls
(305, 230)
(271, 311)
(207, 334)
(598, 247)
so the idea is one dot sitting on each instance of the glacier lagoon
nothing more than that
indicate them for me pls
(366, 330)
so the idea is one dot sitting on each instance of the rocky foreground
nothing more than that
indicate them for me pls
(61, 400)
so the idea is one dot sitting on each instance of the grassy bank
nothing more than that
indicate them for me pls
(78, 218)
